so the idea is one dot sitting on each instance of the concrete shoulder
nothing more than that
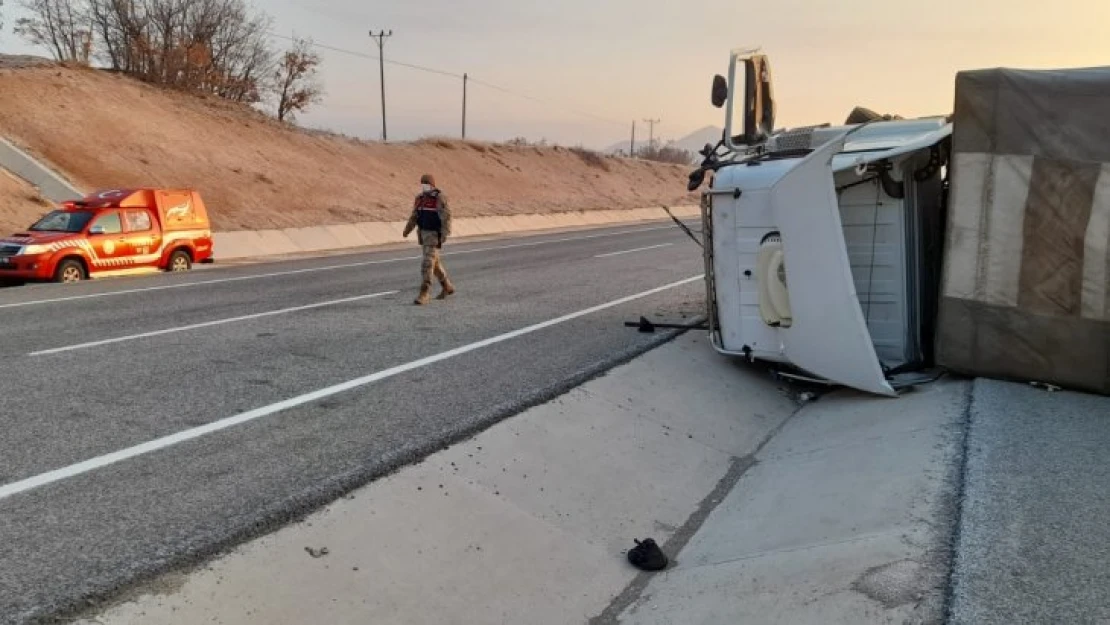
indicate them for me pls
(845, 518)
(526, 523)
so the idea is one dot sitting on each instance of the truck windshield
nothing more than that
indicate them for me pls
(63, 221)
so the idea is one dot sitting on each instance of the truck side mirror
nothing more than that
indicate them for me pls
(751, 118)
(720, 91)
(759, 100)
(96, 230)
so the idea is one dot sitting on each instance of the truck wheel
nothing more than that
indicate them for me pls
(70, 270)
(179, 261)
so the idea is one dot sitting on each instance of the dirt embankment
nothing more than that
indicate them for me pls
(104, 130)
(20, 204)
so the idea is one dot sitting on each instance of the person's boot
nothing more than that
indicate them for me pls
(424, 296)
(448, 290)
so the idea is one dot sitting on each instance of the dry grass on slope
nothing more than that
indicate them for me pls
(105, 130)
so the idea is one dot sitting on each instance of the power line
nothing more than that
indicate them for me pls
(547, 102)
(440, 72)
(372, 57)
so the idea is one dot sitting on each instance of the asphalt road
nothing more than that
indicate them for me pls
(148, 423)
(1034, 537)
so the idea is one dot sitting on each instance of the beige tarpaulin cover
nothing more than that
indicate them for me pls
(1024, 292)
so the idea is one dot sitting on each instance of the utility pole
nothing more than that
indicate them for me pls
(651, 131)
(465, 78)
(380, 39)
(632, 145)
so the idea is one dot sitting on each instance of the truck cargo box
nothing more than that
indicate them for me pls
(1026, 271)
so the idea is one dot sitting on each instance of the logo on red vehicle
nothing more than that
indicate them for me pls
(181, 210)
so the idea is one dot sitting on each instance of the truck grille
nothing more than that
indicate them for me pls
(9, 250)
(800, 139)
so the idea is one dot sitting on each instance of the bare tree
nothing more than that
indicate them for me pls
(295, 82)
(217, 47)
(667, 154)
(58, 26)
(242, 58)
(111, 20)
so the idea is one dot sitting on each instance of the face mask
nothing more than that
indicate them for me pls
(426, 187)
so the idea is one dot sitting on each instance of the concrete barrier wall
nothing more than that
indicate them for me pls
(260, 243)
(52, 186)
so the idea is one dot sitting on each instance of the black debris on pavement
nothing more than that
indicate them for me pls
(647, 556)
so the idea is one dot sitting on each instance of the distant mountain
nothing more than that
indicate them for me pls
(691, 142)
(696, 140)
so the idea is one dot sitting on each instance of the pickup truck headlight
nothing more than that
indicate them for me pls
(34, 250)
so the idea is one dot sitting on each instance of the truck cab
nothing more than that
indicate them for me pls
(822, 242)
(110, 233)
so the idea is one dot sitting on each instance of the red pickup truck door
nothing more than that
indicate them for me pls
(144, 241)
(107, 243)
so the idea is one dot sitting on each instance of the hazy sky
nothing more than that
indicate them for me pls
(620, 60)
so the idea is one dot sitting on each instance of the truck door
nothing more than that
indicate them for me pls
(829, 336)
(107, 243)
(144, 241)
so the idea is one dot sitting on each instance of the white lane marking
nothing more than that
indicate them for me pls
(208, 324)
(638, 249)
(73, 470)
(293, 272)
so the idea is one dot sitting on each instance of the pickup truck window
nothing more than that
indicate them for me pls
(109, 223)
(63, 221)
(138, 221)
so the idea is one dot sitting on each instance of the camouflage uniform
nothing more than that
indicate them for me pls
(432, 217)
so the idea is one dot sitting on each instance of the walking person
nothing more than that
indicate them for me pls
(432, 219)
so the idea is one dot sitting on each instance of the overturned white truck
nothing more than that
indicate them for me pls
(857, 253)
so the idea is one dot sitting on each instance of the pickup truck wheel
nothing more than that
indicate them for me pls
(69, 271)
(180, 261)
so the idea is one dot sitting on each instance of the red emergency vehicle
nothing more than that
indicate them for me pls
(113, 232)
